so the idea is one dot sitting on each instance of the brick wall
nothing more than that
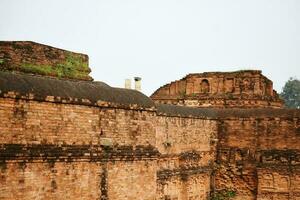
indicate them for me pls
(115, 150)
(50, 180)
(74, 139)
(59, 150)
(188, 154)
(31, 122)
(194, 187)
(62, 139)
(259, 158)
(63, 151)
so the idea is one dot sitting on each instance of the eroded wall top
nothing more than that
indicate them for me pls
(35, 58)
(246, 89)
(91, 93)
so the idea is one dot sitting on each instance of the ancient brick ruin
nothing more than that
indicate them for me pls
(31, 57)
(64, 136)
(242, 89)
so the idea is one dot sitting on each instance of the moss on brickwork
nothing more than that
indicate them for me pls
(76, 61)
(34, 58)
(73, 67)
(223, 195)
(36, 69)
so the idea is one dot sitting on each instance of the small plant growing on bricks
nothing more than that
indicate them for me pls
(223, 195)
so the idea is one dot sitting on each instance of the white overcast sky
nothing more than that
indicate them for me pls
(163, 40)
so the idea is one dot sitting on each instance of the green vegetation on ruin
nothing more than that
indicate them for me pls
(182, 94)
(223, 195)
(1, 61)
(73, 67)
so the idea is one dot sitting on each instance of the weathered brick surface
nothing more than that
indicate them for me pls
(113, 149)
(187, 155)
(152, 156)
(193, 187)
(253, 152)
(176, 135)
(70, 139)
(252, 143)
(132, 180)
(31, 57)
(52, 180)
(280, 183)
(242, 89)
(31, 122)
